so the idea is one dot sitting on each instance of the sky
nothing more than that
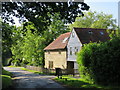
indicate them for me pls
(106, 6)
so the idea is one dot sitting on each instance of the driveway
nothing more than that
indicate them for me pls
(25, 79)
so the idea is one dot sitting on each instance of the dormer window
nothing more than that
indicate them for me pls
(101, 33)
(90, 32)
(65, 39)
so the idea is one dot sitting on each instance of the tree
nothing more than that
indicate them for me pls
(33, 47)
(55, 29)
(6, 42)
(28, 46)
(95, 20)
(17, 44)
(37, 12)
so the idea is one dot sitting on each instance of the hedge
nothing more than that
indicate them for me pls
(99, 62)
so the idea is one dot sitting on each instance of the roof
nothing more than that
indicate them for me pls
(86, 35)
(59, 43)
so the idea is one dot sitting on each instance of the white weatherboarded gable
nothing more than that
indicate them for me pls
(73, 46)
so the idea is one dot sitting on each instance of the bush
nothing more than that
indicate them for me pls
(99, 63)
(16, 62)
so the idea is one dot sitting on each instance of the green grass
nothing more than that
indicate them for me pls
(4, 72)
(13, 66)
(6, 81)
(80, 83)
(37, 72)
(6, 78)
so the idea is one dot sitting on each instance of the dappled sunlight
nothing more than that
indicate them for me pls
(26, 79)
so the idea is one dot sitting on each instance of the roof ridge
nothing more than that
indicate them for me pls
(89, 28)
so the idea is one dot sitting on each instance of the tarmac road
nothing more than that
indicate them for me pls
(25, 79)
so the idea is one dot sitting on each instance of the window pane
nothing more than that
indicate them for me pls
(50, 64)
(70, 50)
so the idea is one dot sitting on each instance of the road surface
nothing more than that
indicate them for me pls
(25, 79)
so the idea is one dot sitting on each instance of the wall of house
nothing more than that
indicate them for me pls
(58, 58)
(73, 45)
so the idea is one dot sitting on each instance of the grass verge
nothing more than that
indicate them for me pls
(79, 83)
(6, 79)
(4, 72)
(13, 66)
(37, 72)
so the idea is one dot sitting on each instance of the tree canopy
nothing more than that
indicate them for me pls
(95, 20)
(38, 12)
(25, 45)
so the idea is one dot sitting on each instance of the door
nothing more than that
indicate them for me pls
(70, 67)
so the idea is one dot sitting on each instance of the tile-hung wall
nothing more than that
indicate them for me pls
(73, 45)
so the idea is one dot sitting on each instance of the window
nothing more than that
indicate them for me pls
(76, 50)
(65, 39)
(90, 32)
(48, 52)
(70, 50)
(59, 52)
(101, 33)
(50, 64)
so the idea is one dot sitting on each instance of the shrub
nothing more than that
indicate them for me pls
(99, 62)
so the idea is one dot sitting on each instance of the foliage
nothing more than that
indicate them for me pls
(114, 33)
(6, 42)
(37, 12)
(99, 62)
(28, 44)
(55, 29)
(28, 47)
(95, 20)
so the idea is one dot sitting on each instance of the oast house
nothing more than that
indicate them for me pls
(61, 53)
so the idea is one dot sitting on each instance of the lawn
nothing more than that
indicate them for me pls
(71, 82)
(6, 79)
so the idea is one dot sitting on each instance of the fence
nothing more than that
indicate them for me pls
(53, 71)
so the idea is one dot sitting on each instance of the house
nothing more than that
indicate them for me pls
(61, 53)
